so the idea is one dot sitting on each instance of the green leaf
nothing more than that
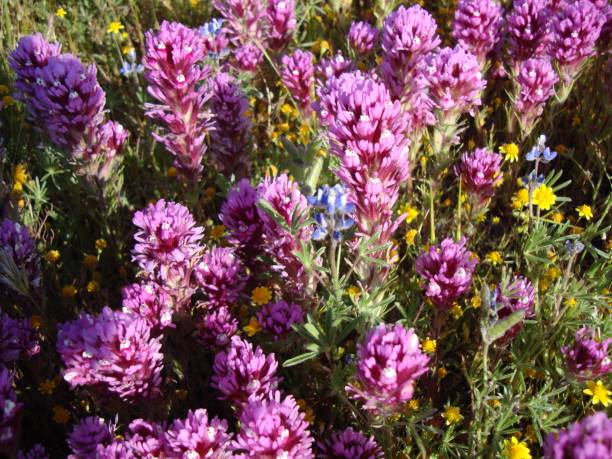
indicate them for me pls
(500, 328)
(300, 359)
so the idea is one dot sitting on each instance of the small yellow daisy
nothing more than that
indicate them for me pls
(585, 212)
(452, 414)
(261, 295)
(598, 392)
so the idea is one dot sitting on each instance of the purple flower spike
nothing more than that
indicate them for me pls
(10, 411)
(332, 67)
(113, 351)
(590, 438)
(278, 318)
(273, 428)
(281, 17)
(175, 80)
(519, 295)
(17, 338)
(87, 435)
(150, 301)
(350, 444)
(536, 81)
(216, 328)
(297, 74)
(248, 57)
(197, 437)
(37, 451)
(454, 80)
(244, 19)
(588, 357)
(231, 138)
(17, 244)
(145, 439)
(167, 241)
(363, 37)
(528, 30)
(33, 52)
(480, 172)
(101, 157)
(221, 277)
(575, 30)
(477, 26)
(447, 270)
(389, 361)
(241, 373)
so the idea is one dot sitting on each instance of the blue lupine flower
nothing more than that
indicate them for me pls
(130, 66)
(336, 214)
(211, 28)
(532, 180)
(574, 247)
(541, 151)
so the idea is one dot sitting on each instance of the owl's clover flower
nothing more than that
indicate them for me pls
(588, 357)
(528, 25)
(175, 77)
(221, 277)
(20, 267)
(278, 318)
(282, 23)
(480, 172)
(477, 26)
(37, 451)
(389, 361)
(10, 411)
(216, 327)
(150, 301)
(589, 438)
(214, 37)
(518, 295)
(332, 67)
(273, 427)
(17, 338)
(447, 269)
(241, 373)
(87, 435)
(333, 213)
(297, 74)
(363, 37)
(350, 444)
(197, 436)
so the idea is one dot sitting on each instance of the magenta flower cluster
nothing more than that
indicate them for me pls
(10, 411)
(150, 301)
(176, 81)
(220, 277)
(282, 22)
(536, 81)
(519, 295)
(278, 318)
(297, 74)
(350, 444)
(589, 438)
(389, 361)
(588, 357)
(363, 37)
(447, 270)
(527, 26)
(231, 137)
(114, 352)
(477, 26)
(17, 338)
(197, 436)
(332, 67)
(18, 246)
(216, 327)
(87, 435)
(480, 172)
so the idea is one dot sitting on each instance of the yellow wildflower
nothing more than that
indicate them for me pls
(585, 212)
(181, 394)
(456, 311)
(252, 327)
(553, 273)
(570, 302)
(515, 449)
(495, 220)
(452, 415)
(557, 217)
(447, 202)
(414, 404)
(321, 153)
(90, 261)
(52, 256)
(61, 12)
(544, 197)
(494, 257)
(410, 236)
(476, 301)
(36, 321)
(307, 410)
(209, 193)
(60, 414)
(20, 174)
(115, 27)
(101, 244)
(92, 286)
(429, 345)
(127, 49)
(520, 199)
(47, 387)
(271, 171)
(471, 144)
(411, 212)
(124, 36)
(510, 152)
(261, 295)
(544, 285)
(69, 291)
(218, 231)
(171, 172)
(354, 292)
(493, 403)
(598, 392)
(7, 101)
(442, 372)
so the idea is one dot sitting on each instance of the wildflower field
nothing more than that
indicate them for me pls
(293, 229)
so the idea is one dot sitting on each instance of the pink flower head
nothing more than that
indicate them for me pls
(241, 373)
(216, 327)
(477, 26)
(273, 427)
(87, 435)
(197, 436)
(37, 451)
(10, 411)
(480, 172)
(17, 244)
(231, 138)
(284, 196)
(528, 29)
(103, 148)
(297, 74)
(113, 351)
(175, 77)
(333, 66)
(33, 52)
(241, 218)
(248, 57)
(282, 22)
(575, 30)
(350, 444)
(145, 439)
(221, 277)
(588, 357)
(167, 241)
(389, 361)
(589, 438)
(150, 301)
(17, 338)
(363, 37)
(278, 318)
(454, 80)
(536, 80)
(519, 295)
(244, 19)
(447, 270)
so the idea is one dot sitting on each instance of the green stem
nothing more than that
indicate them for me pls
(432, 218)
(459, 212)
